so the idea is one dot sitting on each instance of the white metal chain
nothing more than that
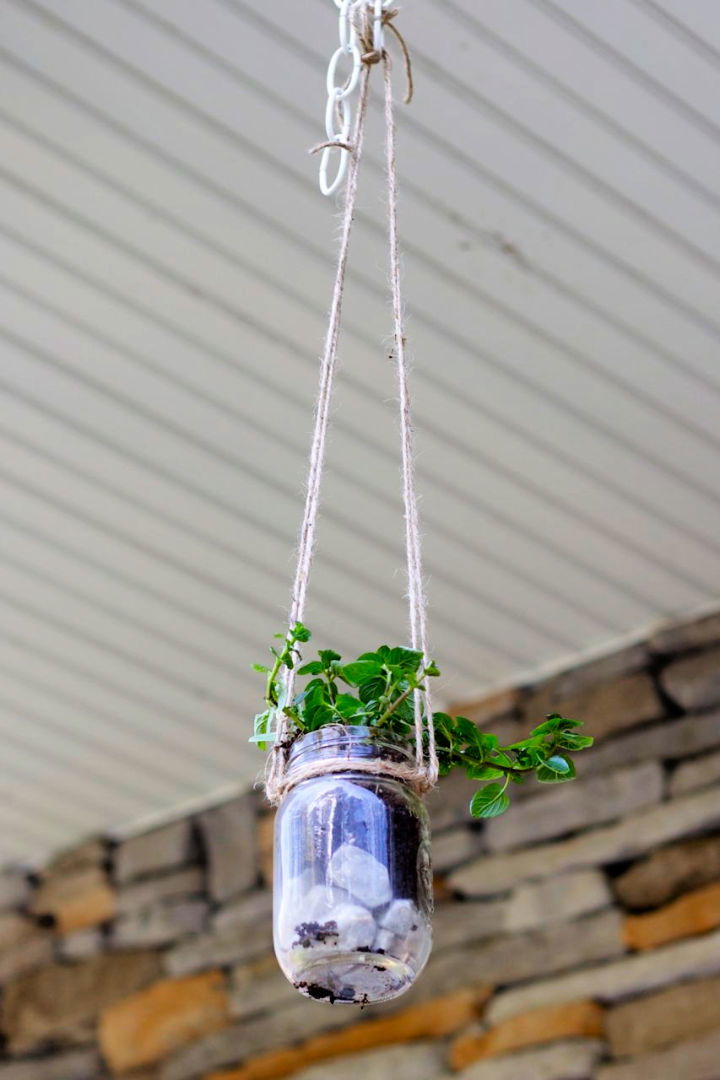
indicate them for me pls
(338, 111)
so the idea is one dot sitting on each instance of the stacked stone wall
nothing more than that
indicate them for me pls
(577, 938)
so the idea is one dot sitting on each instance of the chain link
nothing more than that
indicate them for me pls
(338, 111)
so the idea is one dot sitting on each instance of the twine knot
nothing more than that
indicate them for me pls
(370, 55)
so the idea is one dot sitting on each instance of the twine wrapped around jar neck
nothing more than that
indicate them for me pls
(338, 748)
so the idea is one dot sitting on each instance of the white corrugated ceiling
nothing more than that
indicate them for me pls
(165, 268)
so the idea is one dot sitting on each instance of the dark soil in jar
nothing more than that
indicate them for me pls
(341, 817)
(315, 933)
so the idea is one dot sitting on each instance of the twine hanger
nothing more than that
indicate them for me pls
(422, 774)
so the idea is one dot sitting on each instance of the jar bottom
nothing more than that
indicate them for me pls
(353, 978)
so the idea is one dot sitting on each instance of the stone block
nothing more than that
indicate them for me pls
(679, 637)
(240, 932)
(603, 669)
(516, 957)
(151, 852)
(696, 774)
(259, 986)
(610, 843)
(16, 929)
(89, 853)
(179, 883)
(81, 944)
(55, 999)
(564, 691)
(74, 1065)
(455, 846)
(463, 923)
(694, 1060)
(693, 682)
(614, 706)
(229, 836)
(669, 872)
(159, 924)
(656, 1020)
(610, 982)
(154, 1022)
(531, 906)
(570, 807)
(245, 912)
(265, 843)
(75, 899)
(575, 1020)
(572, 1060)
(432, 1020)
(448, 804)
(422, 1061)
(35, 949)
(695, 913)
(668, 740)
(487, 711)
(14, 888)
(556, 899)
(256, 1036)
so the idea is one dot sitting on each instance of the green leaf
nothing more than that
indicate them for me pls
(483, 772)
(530, 755)
(489, 802)
(300, 632)
(348, 706)
(360, 671)
(407, 659)
(262, 736)
(559, 764)
(262, 668)
(328, 655)
(555, 722)
(556, 770)
(313, 668)
(486, 743)
(570, 741)
(468, 732)
(373, 688)
(432, 669)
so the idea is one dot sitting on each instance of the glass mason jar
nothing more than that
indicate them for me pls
(353, 885)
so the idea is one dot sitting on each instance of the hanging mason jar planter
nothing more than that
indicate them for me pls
(353, 887)
(355, 748)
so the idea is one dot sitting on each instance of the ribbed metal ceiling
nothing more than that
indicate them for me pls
(165, 268)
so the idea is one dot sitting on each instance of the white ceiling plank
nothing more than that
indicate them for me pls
(38, 657)
(652, 49)
(700, 17)
(174, 69)
(597, 88)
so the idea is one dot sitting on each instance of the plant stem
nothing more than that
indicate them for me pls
(399, 700)
(270, 696)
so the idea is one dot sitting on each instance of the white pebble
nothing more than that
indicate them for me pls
(400, 917)
(361, 874)
(356, 927)
(320, 903)
(385, 941)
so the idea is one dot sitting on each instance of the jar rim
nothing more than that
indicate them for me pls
(351, 741)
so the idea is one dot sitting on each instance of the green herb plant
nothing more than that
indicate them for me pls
(376, 690)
